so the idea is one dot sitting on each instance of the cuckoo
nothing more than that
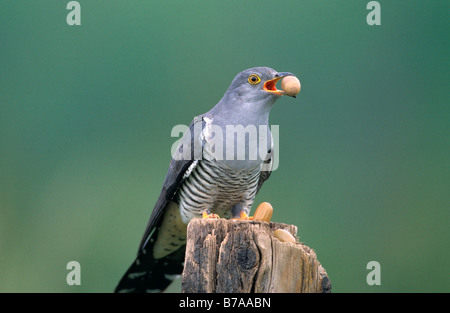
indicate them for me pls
(217, 169)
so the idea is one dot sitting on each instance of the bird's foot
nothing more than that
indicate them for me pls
(263, 212)
(243, 217)
(205, 214)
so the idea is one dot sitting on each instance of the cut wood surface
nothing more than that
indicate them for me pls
(245, 257)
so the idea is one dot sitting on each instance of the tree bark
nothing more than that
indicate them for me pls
(244, 257)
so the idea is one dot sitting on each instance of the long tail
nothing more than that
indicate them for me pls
(148, 274)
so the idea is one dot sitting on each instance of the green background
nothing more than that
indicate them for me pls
(86, 113)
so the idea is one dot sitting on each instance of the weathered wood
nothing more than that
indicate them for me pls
(244, 257)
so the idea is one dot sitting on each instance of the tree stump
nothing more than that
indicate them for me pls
(244, 257)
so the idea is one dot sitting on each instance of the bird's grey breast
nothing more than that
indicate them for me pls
(238, 146)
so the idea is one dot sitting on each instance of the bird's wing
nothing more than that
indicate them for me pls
(267, 166)
(184, 159)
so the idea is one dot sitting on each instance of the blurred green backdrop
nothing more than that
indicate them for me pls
(86, 113)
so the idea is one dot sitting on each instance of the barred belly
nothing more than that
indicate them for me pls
(214, 187)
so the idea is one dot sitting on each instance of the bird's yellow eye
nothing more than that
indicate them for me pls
(254, 79)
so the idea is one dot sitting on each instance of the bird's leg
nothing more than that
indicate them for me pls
(239, 212)
(244, 216)
(263, 212)
(206, 214)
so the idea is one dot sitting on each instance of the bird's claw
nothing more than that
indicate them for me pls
(243, 217)
(205, 214)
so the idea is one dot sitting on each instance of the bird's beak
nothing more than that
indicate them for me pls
(270, 85)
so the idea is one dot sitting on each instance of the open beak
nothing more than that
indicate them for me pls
(270, 85)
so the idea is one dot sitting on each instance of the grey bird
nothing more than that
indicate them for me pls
(218, 168)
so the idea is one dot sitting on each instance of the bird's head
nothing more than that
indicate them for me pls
(250, 97)
(253, 89)
(257, 83)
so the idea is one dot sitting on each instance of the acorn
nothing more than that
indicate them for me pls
(263, 212)
(284, 236)
(290, 85)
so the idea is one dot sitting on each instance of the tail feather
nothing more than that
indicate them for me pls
(148, 274)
